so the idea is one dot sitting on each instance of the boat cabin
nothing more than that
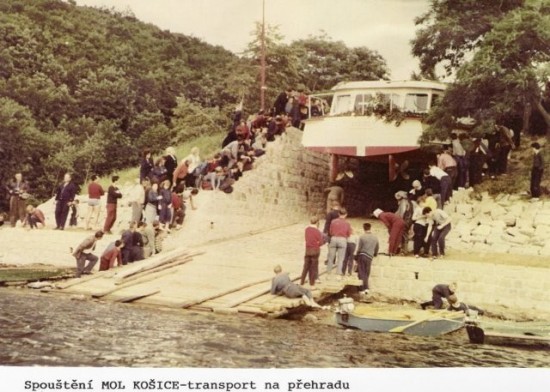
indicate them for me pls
(350, 125)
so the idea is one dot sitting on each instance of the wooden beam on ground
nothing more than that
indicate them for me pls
(135, 297)
(189, 304)
(163, 267)
(152, 262)
(75, 281)
(142, 279)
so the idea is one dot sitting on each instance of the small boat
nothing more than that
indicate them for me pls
(398, 319)
(509, 333)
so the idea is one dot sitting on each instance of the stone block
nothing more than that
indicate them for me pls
(528, 231)
(509, 219)
(482, 230)
(464, 209)
(497, 211)
(519, 239)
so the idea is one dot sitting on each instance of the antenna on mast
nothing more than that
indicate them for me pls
(262, 60)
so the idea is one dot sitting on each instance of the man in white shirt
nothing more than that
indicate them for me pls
(445, 182)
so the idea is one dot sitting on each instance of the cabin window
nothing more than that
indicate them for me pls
(436, 98)
(393, 99)
(341, 104)
(362, 102)
(416, 103)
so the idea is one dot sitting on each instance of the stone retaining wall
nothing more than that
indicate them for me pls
(481, 284)
(286, 185)
(501, 224)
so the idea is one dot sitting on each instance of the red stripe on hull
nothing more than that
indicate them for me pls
(369, 151)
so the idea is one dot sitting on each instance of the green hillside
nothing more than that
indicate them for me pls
(85, 89)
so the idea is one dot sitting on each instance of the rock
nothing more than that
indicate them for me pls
(515, 239)
(464, 209)
(310, 318)
(482, 230)
(497, 211)
(39, 285)
(528, 231)
(509, 220)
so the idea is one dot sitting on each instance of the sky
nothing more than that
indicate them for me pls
(386, 26)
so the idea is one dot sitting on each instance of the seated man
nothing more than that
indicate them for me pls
(111, 254)
(281, 284)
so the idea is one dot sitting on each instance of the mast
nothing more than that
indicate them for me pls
(262, 60)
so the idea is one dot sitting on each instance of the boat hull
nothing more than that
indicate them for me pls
(504, 335)
(431, 326)
(361, 136)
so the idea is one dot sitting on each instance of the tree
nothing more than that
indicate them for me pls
(507, 72)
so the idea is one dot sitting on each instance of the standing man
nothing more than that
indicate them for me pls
(335, 194)
(536, 171)
(339, 232)
(113, 194)
(441, 227)
(82, 256)
(396, 228)
(314, 240)
(445, 182)
(170, 163)
(95, 191)
(64, 197)
(18, 193)
(367, 249)
(136, 199)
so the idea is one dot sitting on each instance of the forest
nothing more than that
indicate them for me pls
(85, 89)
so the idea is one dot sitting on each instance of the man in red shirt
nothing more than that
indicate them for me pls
(111, 255)
(339, 232)
(314, 240)
(95, 191)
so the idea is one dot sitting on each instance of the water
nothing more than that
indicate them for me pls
(56, 330)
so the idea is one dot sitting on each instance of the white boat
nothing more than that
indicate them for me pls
(351, 127)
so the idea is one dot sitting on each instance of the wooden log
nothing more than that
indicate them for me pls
(188, 304)
(75, 281)
(135, 297)
(152, 262)
(250, 310)
(142, 279)
(139, 275)
(223, 310)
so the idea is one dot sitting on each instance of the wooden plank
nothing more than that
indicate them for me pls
(139, 275)
(250, 310)
(76, 281)
(134, 297)
(152, 262)
(143, 279)
(223, 293)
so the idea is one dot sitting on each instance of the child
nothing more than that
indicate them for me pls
(34, 216)
(179, 210)
(73, 222)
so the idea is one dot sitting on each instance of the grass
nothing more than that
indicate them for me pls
(518, 178)
(208, 145)
(30, 274)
